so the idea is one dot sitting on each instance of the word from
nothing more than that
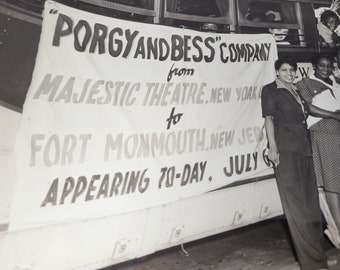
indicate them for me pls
(96, 187)
(189, 174)
(173, 118)
(241, 163)
(54, 150)
(179, 72)
(60, 89)
(163, 94)
(154, 144)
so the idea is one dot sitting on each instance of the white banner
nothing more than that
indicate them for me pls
(122, 116)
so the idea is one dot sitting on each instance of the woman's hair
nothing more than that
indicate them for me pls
(316, 58)
(328, 14)
(285, 60)
(336, 51)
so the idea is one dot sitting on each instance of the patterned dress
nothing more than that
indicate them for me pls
(325, 135)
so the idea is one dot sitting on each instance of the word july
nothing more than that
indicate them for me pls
(241, 163)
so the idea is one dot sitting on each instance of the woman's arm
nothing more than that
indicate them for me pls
(273, 154)
(318, 112)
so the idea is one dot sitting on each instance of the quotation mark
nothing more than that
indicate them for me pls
(53, 11)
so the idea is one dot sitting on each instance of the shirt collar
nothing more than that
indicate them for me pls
(312, 76)
(281, 85)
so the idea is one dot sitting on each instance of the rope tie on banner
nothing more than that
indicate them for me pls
(184, 251)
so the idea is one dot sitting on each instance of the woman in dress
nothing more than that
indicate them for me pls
(289, 149)
(321, 90)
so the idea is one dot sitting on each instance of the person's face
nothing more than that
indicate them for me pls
(286, 73)
(279, 33)
(209, 27)
(323, 68)
(332, 23)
